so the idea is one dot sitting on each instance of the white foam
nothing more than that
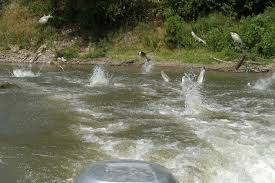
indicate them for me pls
(72, 80)
(264, 83)
(99, 77)
(119, 85)
(137, 150)
(147, 67)
(24, 73)
(236, 149)
(85, 110)
(192, 95)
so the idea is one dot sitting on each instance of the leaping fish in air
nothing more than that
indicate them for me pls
(44, 19)
(236, 38)
(143, 55)
(201, 76)
(197, 38)
(164, 76)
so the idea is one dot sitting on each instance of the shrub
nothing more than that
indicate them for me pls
(266, 46)
(258, 33)
(219, 39)
(94, 54)
(252, 30)
(151, 41)
(192, 9)
(215, 29)
(38, 7)
(2, 3)
(251, 34)
(178, 33)
(188, 9)
(212, 21)
(173, 25)
(68, 53)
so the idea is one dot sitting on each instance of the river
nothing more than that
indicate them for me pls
(57, 123)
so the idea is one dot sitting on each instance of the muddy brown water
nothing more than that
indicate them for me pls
(56, 124)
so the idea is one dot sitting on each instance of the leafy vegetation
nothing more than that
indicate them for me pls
(257, 32)
(192, 9)
(68, 53)
(19, 27)
(119, 29)
(94, 54)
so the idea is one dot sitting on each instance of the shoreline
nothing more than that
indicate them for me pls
(28, 57)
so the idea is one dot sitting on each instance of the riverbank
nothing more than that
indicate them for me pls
(46, 56)
(166, 38)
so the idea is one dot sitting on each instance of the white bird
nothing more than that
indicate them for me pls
(236, 38)
(201, 76)
(197, 38)
(44, 19)
(164, 76)
(248, 84)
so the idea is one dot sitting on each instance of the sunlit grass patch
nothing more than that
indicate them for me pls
(93, 54)
(18, 26)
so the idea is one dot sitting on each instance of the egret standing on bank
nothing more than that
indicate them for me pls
(44, 19)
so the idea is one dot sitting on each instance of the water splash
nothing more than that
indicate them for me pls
(147, 67)
(192, 95)
(201, 76)
(99, 77)
(24, 72)
(264, 83)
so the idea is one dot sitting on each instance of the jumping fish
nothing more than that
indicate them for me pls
(148, 64)
(44, 19)
(201, 76)
(143, 55)
(183, 79)
(236, 38)
(164, 76)
(197, 38)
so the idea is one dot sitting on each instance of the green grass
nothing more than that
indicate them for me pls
(123, 53)
(185, 56)
(93, 54)
(18, 26)
(68, 53)
(199, 56)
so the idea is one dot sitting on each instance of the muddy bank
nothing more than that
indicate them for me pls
(44, 56)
